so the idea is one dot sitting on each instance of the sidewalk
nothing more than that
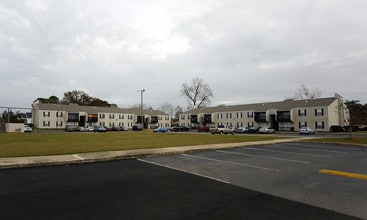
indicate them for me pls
(17, 162)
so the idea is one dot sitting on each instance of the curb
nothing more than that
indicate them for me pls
(80, 158)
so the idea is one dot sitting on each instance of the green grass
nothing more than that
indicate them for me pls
(18, 144)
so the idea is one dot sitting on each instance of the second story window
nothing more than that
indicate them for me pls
(319, 112)
(302, 112)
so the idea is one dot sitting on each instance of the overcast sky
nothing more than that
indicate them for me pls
(247, 51)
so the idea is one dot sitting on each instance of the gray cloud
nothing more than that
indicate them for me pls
(247, 51)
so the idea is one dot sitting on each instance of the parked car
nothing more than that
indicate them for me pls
(70, 128)
(203, 129)
(81, 129)
(100, 129)
(27, 129)
(179, 129)
(90, 128)
(137, 128)
(306, 130)
(253, 130)
(221, 129)
(121, 128)
(242, 130)
(266, 130)
(160, 130)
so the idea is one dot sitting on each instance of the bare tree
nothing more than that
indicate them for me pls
(304, 92)
(198, 93)
(166, 108)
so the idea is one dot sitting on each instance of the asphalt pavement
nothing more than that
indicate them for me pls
(132, 189)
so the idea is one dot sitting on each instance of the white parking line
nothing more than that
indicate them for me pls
(254, 155)
(326, 147)
(228, 162)
(287, 152)
(302, 148)
(185, 171)
(78, 157)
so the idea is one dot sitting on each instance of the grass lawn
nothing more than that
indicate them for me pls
(33, 144)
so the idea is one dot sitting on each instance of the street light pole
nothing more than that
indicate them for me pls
(141, 108)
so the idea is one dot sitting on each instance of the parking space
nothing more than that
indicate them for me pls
(290, 170)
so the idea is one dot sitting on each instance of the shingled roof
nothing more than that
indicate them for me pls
(287, 104)
(95, 109)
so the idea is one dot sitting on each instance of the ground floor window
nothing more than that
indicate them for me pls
(59, 124)
(302, 124)
(46, 123)
(319, 125)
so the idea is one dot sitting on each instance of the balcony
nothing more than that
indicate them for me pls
(194, 119)
(208, 118)
(260, 117)
(284, 116)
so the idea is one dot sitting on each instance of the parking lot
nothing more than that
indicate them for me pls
(289, 170)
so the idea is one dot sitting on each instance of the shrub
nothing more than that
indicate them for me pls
(336, 128)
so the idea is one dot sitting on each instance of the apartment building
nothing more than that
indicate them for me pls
(288, 115)
(57, 116)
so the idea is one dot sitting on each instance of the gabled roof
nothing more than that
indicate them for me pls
(74, 108)
(287, 104)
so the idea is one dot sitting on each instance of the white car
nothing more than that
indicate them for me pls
(266, 130)
(27, 129)
(306, 130)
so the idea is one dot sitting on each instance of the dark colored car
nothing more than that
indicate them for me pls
(137, 128)
(180, 129)
(203, 129)
(70, 128)
(253, 130)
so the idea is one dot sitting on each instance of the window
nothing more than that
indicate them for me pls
(101, 124)
(182, 117)
(319, 112)
(228, 115)
(46, 123)
(239, 114)
(239, 124)
(166, 118)
(102, 116)
(219, 116)
(250, 114)
(250, 124)
(302, 112)
(121, 116)
(112, 116)
(121, 124)
(59, 124)
(319, 125)
(302, 124)
(46, 114)
(130, 117)
(59, 114)
(112, 124)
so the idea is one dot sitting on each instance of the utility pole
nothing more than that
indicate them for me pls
(141, 108)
